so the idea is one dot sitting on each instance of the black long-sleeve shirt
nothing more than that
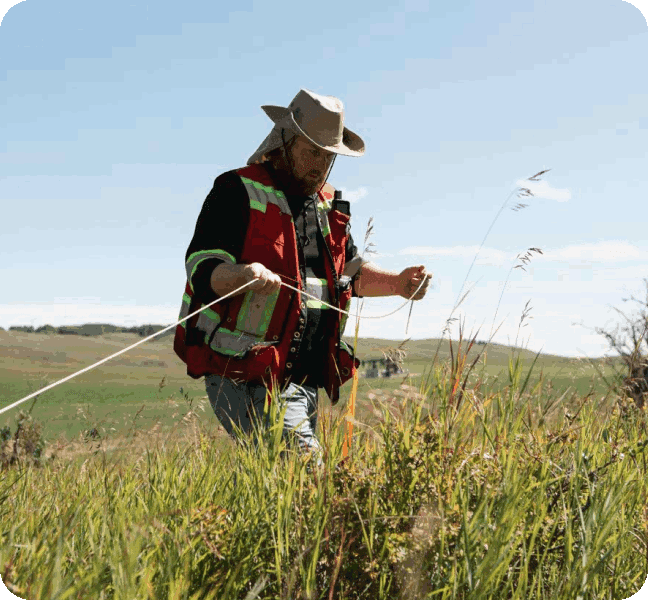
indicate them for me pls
(222, 224)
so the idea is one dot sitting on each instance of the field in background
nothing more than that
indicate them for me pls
(501, 491)
(147, 389)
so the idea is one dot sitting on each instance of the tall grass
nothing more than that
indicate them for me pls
(464, 488)
(454, 491)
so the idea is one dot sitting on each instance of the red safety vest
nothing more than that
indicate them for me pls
(252, 337)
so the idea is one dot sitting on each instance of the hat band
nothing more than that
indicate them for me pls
(325, 130)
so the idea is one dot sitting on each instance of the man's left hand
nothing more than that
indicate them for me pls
(410, 279)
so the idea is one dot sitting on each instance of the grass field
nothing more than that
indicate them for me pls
(148, 388)
(510, 487)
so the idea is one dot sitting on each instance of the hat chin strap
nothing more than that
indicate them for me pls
(289, 160)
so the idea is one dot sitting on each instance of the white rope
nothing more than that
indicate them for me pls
(150, 337)
(346, 312)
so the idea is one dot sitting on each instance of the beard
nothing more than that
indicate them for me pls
(290, 184)
(307, 188)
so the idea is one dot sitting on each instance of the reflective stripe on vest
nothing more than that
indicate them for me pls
(255, 313)
(316, 287)
(261, 195)
(197, 257)
(207, 321)
(235, 343)
(322, 213)
(343, 320)
(256, 309)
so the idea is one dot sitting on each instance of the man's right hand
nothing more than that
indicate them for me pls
(225, 278)
(268, 282)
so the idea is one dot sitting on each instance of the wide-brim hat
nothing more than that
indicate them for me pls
(320, 119)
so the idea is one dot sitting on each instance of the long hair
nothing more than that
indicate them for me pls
(278, 157)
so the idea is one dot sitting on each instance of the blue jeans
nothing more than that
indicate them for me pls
(240, 404)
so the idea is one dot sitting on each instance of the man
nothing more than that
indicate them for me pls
(274, 221)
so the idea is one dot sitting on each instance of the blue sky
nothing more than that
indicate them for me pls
(115, 118)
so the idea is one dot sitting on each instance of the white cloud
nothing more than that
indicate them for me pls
(353, 195)
(87, 311)
(612, 251)
(487, 256)
(614, 273)
(542, 189)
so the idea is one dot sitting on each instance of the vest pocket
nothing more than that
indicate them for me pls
(234, 343)
(340, 222)
(260, 365)
(252, 321)
(255, 313)
(340, 367)
(346, 362)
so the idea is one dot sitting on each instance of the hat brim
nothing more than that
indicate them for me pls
(350, 145)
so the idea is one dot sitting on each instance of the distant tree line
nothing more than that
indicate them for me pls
(90, 329)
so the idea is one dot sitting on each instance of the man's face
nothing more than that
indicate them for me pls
(310, 165)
